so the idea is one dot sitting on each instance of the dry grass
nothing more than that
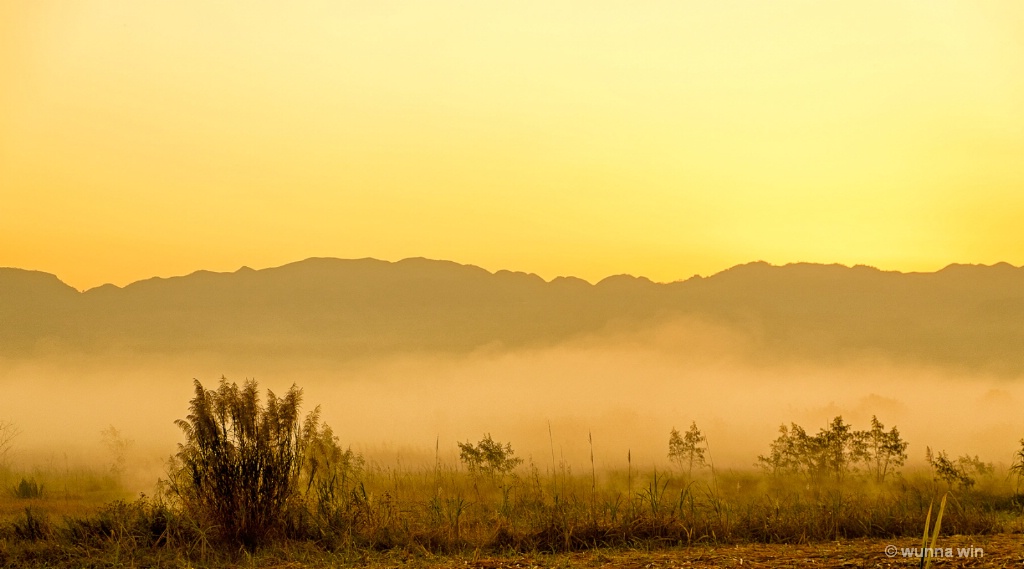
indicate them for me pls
(431, 516)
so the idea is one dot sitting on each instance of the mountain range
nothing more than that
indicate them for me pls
(967, 316)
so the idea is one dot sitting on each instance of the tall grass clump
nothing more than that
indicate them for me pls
(253, 480)
(238, 469)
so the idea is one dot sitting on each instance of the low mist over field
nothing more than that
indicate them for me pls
(628, 383)
(417, 365)
(559, 277)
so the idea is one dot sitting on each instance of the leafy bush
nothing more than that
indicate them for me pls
(947, 470)
(488, 456)
(28, 489)
(886, 450)
(239, 467)
(687, 449)
(836, 451)
(118, 447)
(961, 472)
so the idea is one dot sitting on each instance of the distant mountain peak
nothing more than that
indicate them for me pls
(962, 315)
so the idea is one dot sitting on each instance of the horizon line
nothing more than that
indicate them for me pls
(246, 268)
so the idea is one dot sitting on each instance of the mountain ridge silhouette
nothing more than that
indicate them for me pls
(966, 316)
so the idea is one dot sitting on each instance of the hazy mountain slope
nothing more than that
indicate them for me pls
(34, 307)
(963, 315)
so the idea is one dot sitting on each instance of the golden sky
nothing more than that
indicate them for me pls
(587, 138)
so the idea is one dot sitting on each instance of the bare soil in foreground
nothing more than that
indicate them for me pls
(999, 550)
(1002, 550)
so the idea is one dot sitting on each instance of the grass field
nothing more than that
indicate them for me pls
(255, 484)
(389, 515)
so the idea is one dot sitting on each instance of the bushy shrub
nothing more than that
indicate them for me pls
(238, 470)
(28, 489)
(118, 446)
(488, 456)
(143, 522)
(961, 472)
(836, 451)
(327, 470)
(687, 450)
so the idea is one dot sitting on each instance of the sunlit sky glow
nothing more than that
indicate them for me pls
(586, 138)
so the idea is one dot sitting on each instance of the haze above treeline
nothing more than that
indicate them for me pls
(962, 317)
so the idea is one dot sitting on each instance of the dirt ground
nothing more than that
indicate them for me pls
(1006, 550)
(1002, 550)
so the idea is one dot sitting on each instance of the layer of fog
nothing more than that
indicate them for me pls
(626, 392)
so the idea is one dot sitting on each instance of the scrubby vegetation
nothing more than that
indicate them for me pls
(687, 450)
(28, 488)
(488, 457)
(254, 476)
(238, 469)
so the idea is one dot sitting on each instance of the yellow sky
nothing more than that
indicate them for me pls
(587, 138)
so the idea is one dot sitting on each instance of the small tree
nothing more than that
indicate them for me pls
(8, 432)
(835, 452)
(973, 464)
(886, 450)
(488, 457)
(790, 452)
(950, 472)
(687, 449)
(841, 448)
(832, 452)
(117, 447)
(239, 465)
